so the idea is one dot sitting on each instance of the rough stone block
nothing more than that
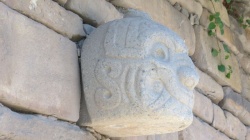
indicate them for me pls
(248, 133)
(227, 37)
(209, 87)
(234, 26)
(163, 12)
(95, 12)
(213, 7)
(170, 136)
(39, 68)
(203, 107)
(219, 119)
(245, 63)
(206, 62)
(235, 104)
(61, 2)
(245, 80)
(15, 126)
(51, 15)
(189, 5)
(234, 128)
(201, 131)
(127, 66)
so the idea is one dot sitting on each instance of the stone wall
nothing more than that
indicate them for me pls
(40, 84)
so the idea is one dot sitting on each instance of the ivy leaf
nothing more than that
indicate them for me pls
(226, 48)
(217, 14)
(214, 52)
(244, 26)
(226, 57)
(211, 33)
(248, 21)
(228, 1)
(221, 25)
(228, 75)
(222, 31)
(221, 68)
(240, 20)
(211, 17)
(211, 26)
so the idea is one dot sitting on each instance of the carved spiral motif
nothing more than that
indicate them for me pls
(108, 96)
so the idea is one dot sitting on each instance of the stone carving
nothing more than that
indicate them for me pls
(137, 78)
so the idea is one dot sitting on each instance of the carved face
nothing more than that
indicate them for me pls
(135, 72)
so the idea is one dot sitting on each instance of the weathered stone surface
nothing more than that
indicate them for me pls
(51, 15)
(15, 126)
(209, 87)
(227, 37)
(163, 12)
(206, 62)
(203, 107)
(245, 63)
(39, 68)
(61, 2)
(234, 26)
(234, 128)
(248, 133)
(127, 66)
(189, 5)
(95, 12)
(235, 104)
(201, 131)
(219, 119)
(88, 28)
(213, 7)
(170, 136)
(245, 80)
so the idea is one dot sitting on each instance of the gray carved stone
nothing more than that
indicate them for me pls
(137, 79)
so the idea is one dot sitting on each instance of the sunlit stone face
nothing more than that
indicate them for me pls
(137, 79)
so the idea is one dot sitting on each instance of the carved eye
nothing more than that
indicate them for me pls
(160, 51)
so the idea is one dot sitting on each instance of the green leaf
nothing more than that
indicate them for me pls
(240, 20)
(217, 14)
(211, 33)
(229, 67)
(228, 75)
(221, 25)
(226, 48)
(244, 26)
(226, 57)
(221, 68)
(214, 52)
(211, 17)
(211, 26)
(248, 21)
(222, 31)
(228, 1)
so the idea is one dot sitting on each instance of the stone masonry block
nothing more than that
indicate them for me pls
(169, 136)
(227, 37)
(163, 12)
(39, 68)
(245, 80)
(248, 133)
(213, 7)
(219, 119)
(245, 63)
(137, 78)
(209, 87)
(15, 126)
(189, 5)
(95, 12)
(51, 15)
(61, 2)
(203, 107)
(237, 105)
(201, 131)
(234, 128)
(206, 62)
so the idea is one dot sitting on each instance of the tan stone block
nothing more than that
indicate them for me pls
(163, 12)
(204, 60)
(216, 7)
(248, 133)
(245, 80)
(95, 12)
(189, 5)
(234, 128)
(169, 136)
(15, 126)
(61, 2)
(39, 68)
(203, 107)
(51, 15)
(201, 131)
(245, 63)
(219, 119)
(235, 104)
(209, 87)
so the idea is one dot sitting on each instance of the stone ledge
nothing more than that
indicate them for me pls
(17, 126)
(51, 15)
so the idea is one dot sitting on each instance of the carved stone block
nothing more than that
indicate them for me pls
(137, 79)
